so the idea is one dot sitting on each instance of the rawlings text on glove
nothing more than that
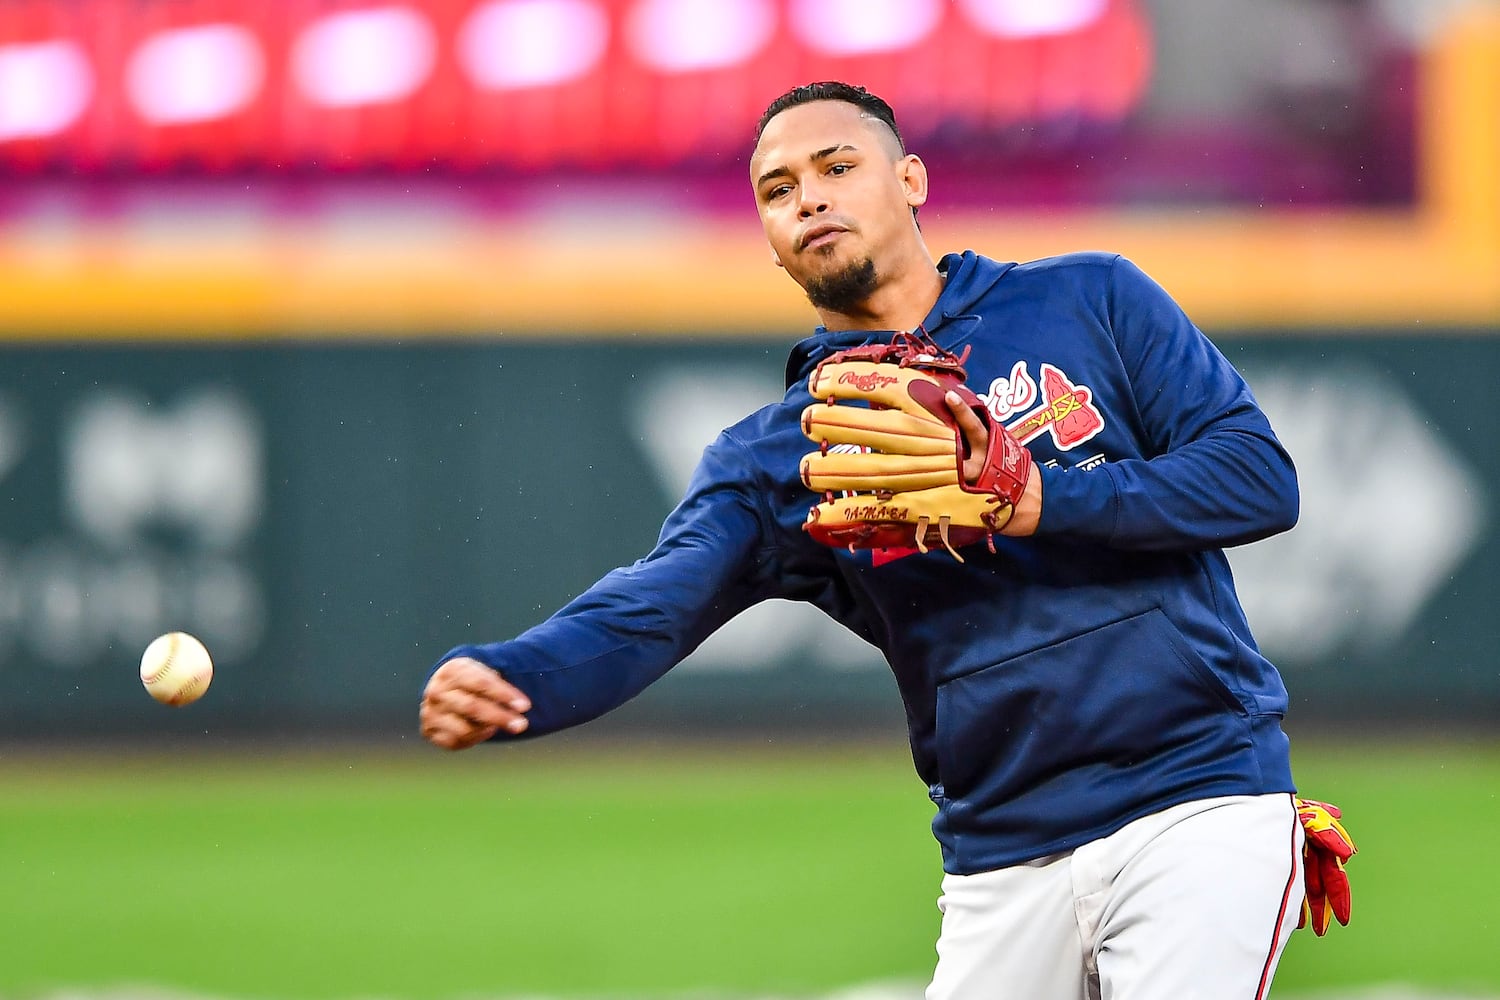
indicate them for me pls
(1327, 847)
(891, 470)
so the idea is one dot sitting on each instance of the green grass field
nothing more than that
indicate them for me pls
(576, 867)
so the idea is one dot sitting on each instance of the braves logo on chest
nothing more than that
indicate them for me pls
(1058, 406)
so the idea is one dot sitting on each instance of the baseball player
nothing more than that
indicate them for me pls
(1096, 727)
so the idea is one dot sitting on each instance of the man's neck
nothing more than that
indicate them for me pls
(902, 301)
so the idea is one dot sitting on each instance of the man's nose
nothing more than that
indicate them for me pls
(813, 201)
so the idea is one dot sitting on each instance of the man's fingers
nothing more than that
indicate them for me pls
(456, 730)
(466, 705)
(452, 732)
(466, 702)
(968, 421)
(473, 709)
(470, 675)
(974, 432)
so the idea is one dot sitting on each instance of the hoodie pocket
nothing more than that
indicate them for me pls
(1106, 699)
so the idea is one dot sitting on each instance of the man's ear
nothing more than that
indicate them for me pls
(912, 173)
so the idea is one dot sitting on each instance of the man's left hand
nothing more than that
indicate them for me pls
(1028, 507)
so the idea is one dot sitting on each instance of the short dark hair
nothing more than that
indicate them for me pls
(833, 90)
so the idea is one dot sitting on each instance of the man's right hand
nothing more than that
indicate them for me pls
(466, 702)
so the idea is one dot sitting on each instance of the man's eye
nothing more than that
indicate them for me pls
(840, 168)
(777, 191)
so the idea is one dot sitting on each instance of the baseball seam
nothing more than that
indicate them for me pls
(166, 662)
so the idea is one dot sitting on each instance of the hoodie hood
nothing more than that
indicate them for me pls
(966, 279)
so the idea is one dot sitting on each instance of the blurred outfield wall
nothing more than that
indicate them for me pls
(331, 519)
(338, 438)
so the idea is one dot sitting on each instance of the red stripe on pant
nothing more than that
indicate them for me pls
(1286, 898)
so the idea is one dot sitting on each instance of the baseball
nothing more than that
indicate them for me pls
(176, 669)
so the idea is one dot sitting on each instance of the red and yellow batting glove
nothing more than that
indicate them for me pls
(1327, 847)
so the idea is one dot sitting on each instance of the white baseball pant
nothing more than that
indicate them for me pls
(1196, 901)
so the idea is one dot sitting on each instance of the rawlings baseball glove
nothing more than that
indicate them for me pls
(1327, 847)
(891, 454)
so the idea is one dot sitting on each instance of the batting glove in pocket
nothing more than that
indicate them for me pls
(1327, 847)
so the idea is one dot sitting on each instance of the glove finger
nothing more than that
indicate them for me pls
(865, 521)
(873, 470)
(1333, 841)
(1345, 849)
(1314, 804)
(1320, 917)
(1316, 900)
(881, 383)
(1305, 917)
(829, 528)
(1321, 823)
(1312, 876)
(883, 430)
(1336, 886)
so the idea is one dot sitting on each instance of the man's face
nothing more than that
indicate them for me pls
(832, 188)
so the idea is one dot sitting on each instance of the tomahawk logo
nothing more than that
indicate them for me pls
(1067, 410)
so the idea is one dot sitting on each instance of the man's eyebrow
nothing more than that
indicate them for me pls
(821, 154)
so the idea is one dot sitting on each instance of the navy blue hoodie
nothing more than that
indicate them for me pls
(1070, 682)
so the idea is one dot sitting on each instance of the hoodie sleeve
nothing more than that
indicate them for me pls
(639, 621)
(1215, 474)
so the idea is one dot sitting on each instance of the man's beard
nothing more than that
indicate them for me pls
(843, 290)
